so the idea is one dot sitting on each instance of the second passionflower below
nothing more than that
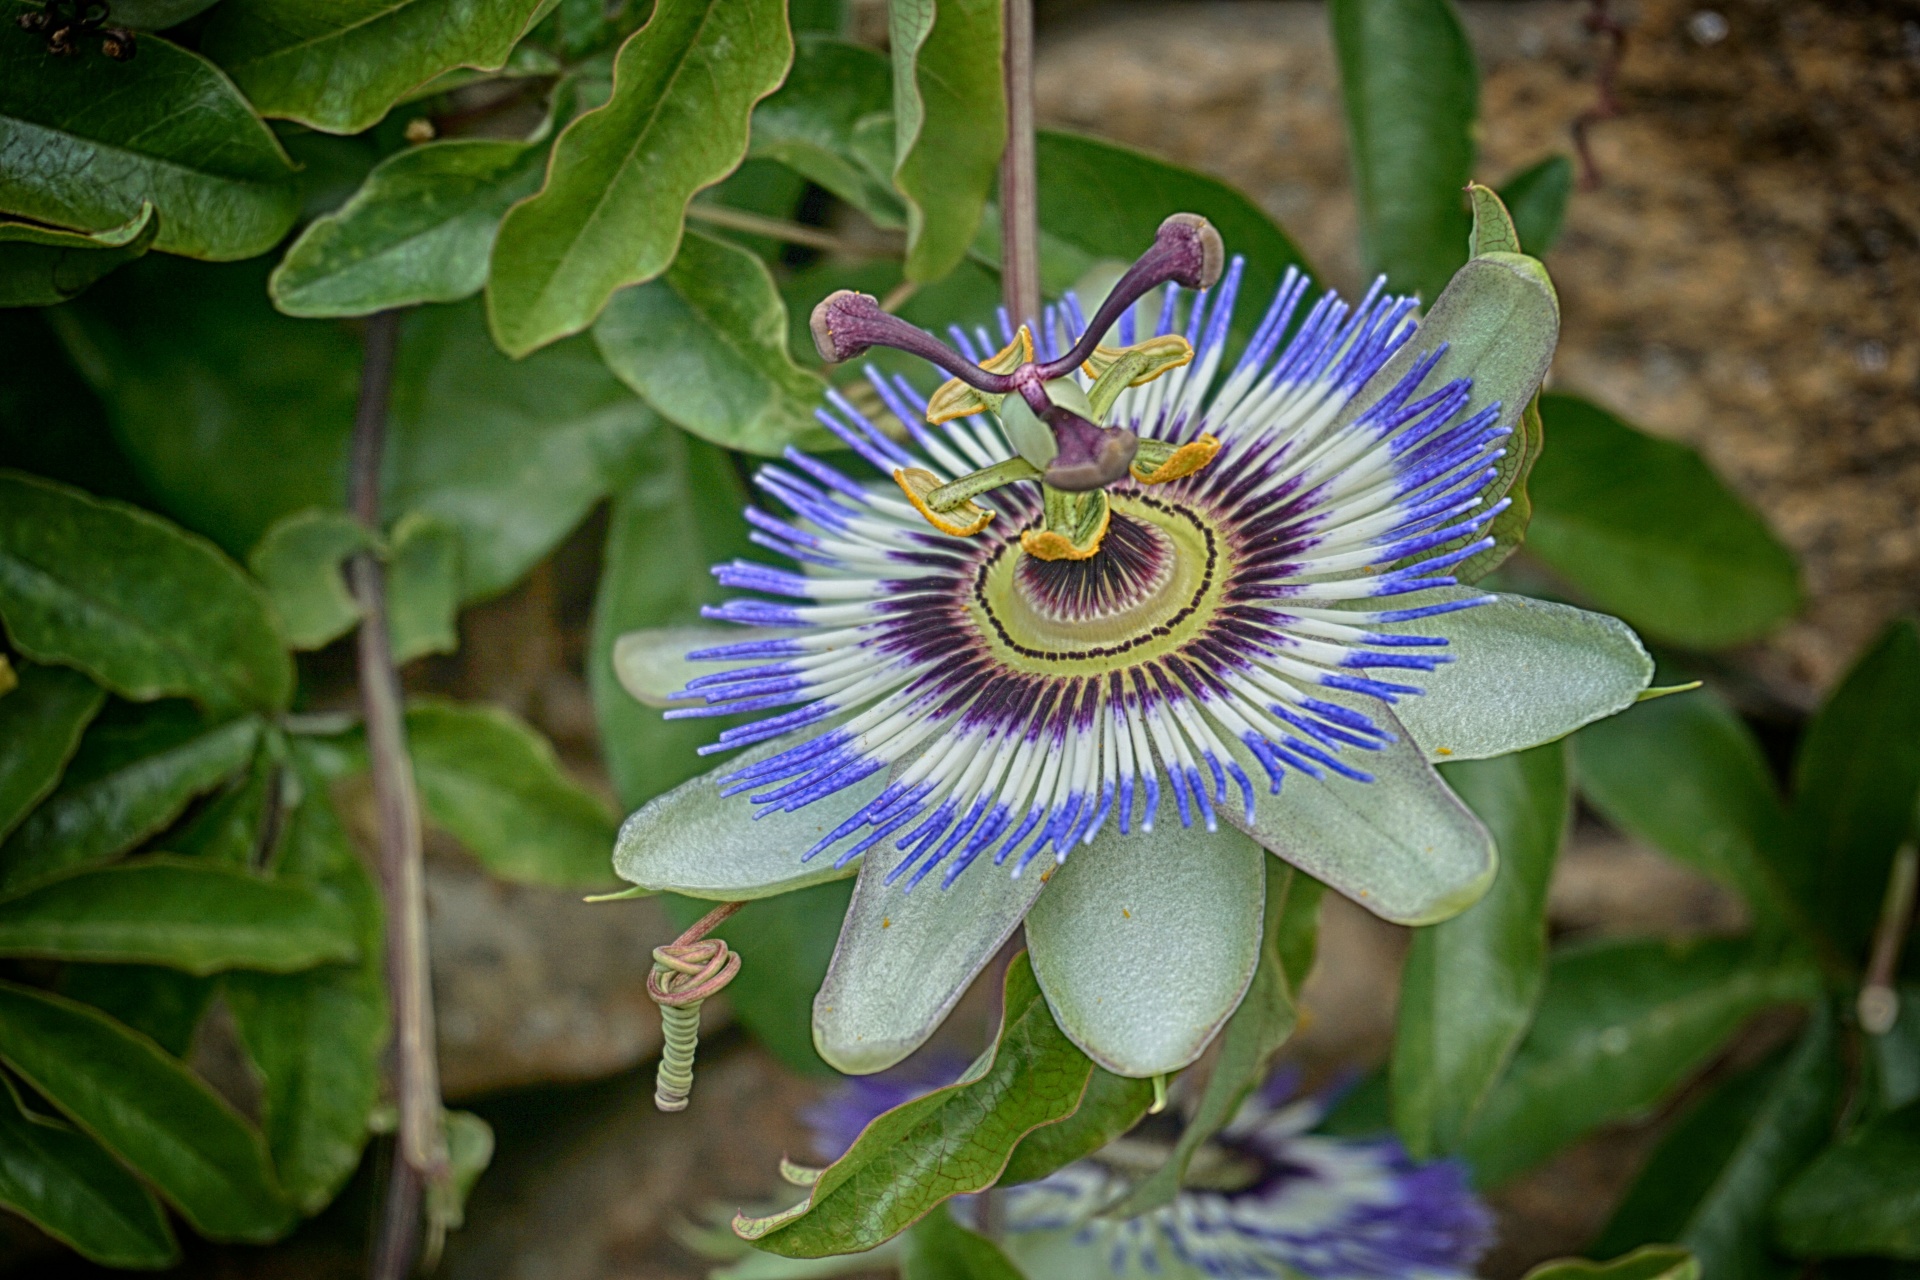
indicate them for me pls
(1113, 622)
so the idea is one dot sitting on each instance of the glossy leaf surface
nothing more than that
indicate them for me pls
(496, 785)
(41, 721)
(706, 346)
(950, 1142)
(299, 561)
(1411, 91)
(938, 1248)
(148, 1110)
(85, 142)
(187, 914)
(949, 123)
(164, 1004)
(1644, 529)
(1860, 1196)
(1470, 984)
(338, 67)
(419, 229)
(617, 188)
(41, 267)
(1111, 1105)
(810, 123)
(143, 607)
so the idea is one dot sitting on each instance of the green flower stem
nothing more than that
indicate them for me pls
(1879, 1004)
(1019, 181)
(420, 1161)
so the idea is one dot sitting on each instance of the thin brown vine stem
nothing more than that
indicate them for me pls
(420, 1155)
(1601, 22)
(1019, 179)
(786, 232)
(1879, 1003)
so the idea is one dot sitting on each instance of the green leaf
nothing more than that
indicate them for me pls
(1896, 1055)
(133, 774)
(91, 141)
(418, 230)
(423, 587)
(1111, 1105)
(141, 606)
(681, 514)
(469, 1152)
(157, 15)
(1709, 1184)
(1537, 198)
(496, 785)
(1644, 529)
(1253, 1035)
(318, 1039)
(40, 266)
(298, 562)
(187, 914)
(148, 1110)
(1856, 779)
(62, 1182)
(1655, 1262)
(1686, 776)
(1860, 1196)
(232, 827)
(165, 1004)
(953, 1141)
(949, 123)
(1411, 91)
(706, 346)
(512, 454)
(938, 1248)
(1621, 1023)
(1471, 983)
(1102, 934)
(41, 721)
(612, 209)
(809, 123)
(340, 66)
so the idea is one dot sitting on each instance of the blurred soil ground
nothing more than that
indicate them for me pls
(1745, 278)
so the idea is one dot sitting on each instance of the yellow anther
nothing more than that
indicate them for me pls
(1047, 544)
(963, 521)
(1184, 461)
(1156, 355)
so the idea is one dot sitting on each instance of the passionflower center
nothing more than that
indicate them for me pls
(1146, 590)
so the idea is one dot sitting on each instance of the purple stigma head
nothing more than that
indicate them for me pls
(1186, 251)
(1090, 457)
(846, 323)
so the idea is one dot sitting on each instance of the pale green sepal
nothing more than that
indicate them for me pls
(1662, 691)
(1145, 943)
(1031, 438)
(620, 895)
(652, 664)
(1403, 846)
(1523, 672)
(694, 841)
(1493, 229)
(1070, 395)
(905, 958)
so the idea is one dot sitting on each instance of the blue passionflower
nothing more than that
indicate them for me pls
(1105, 623)
(1267, 1198)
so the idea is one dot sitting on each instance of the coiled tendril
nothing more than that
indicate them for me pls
(685, 972)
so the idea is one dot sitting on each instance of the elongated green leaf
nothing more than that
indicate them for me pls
(1470, 984)
(339, 67)
(1620, 1024)
(938, 1248)
(187, 914)
(62, 1182)
(512, 454)
(1537, 198)
(1856, 780)
(165, 1005)
(40, 267)
(498, 787)
(148, 1110)
(142, 607)
(133, 774)
(1644, 529)
(87, 142)
(233, 827)
(1686, 775)
(1710, 1183)
(1411, 92)
(949, 123)
(298, 561)
(809, 124)
(1861, 1196)
(1111, 1105)
(706, 346)
(950, 1142)
(40, 721)
(1252, 1036)
(1655, 1262)
(318, 1038)
(419, 229)
(616, 193)
(423, 587)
